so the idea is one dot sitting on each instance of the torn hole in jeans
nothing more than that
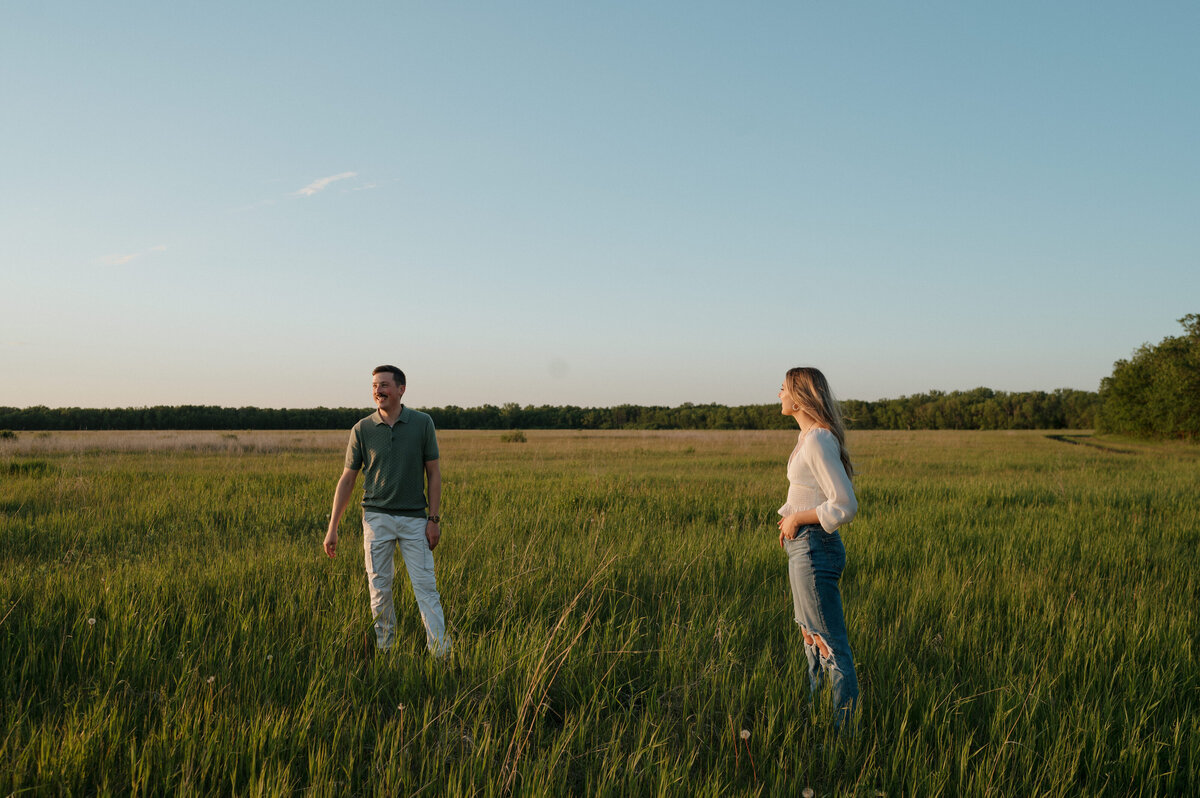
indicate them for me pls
(814, 639)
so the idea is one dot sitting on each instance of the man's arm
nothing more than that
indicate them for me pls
(433, 475)
(341, 498)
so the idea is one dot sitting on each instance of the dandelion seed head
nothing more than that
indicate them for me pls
(745, 735)
(91, 621)
(212, 679)
(270, 657)
(807, 792)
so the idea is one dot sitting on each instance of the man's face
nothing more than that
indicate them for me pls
(386, 392)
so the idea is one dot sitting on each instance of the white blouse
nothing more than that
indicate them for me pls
(818, 479)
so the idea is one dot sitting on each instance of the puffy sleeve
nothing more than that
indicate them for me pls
(823, 455)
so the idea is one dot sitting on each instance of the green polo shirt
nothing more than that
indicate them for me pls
(392, 460)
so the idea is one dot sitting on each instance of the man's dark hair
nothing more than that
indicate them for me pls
(396, 373)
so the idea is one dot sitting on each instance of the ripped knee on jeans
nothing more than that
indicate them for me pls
(814, 639)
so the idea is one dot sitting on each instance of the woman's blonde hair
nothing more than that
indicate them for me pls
(809, 391)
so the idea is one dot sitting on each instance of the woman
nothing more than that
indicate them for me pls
(820, 499)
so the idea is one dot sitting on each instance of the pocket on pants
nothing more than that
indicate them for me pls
(828, 548)
(802, 535)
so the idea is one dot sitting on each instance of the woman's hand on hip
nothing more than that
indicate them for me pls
(787, 528)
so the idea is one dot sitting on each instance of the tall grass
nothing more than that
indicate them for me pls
(1022, 610)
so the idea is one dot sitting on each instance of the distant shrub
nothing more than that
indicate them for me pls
(516, 436)
(7, 434)
(33, 468)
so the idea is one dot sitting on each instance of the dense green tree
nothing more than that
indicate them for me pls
(1156, 392)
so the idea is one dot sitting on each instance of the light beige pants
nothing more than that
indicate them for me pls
(382, 534)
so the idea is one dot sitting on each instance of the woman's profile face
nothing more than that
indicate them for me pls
(785, 402)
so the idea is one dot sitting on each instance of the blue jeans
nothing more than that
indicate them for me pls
(815, 562)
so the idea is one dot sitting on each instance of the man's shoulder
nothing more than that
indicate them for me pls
(418, 417)
(365, 421)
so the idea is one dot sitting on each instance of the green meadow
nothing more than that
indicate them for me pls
(1022, 606)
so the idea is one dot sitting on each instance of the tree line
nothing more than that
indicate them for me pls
(981, 408)
(1155, 394)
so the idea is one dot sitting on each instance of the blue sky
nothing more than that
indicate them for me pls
(591, 204)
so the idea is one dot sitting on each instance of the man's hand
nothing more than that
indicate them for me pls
(341, 497)
(433, 533)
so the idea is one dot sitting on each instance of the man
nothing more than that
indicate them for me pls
(397, 448)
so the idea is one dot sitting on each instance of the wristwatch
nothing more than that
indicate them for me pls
(437, 519)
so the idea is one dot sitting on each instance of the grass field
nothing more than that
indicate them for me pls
(1022, 609)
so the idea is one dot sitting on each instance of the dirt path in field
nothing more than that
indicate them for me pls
(1085, 440)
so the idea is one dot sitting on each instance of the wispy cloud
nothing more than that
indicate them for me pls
(119, 259)
(313, 188)
(321, 184)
